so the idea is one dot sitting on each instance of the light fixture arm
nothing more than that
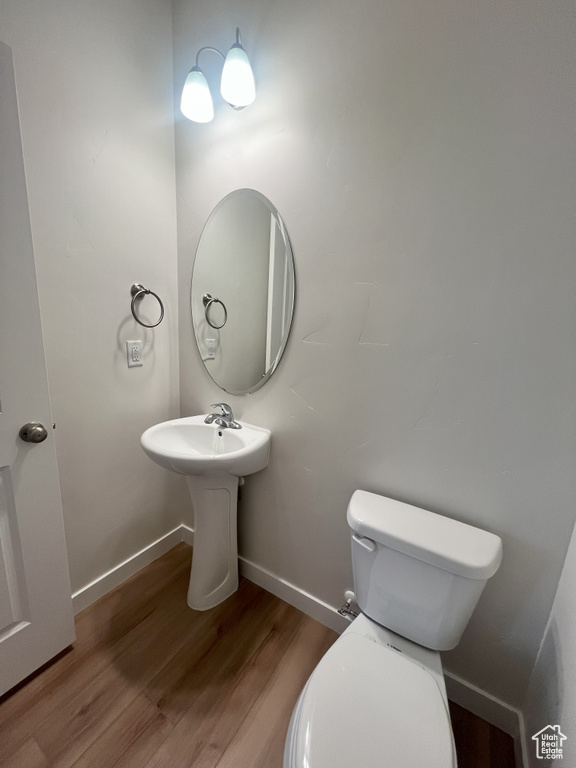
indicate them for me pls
(211, 48)
(208, 48)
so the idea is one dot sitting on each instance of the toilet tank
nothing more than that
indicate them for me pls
(418, 573)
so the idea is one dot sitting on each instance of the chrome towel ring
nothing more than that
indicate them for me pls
(208, 300)
(138, 292)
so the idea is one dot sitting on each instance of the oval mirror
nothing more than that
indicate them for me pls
(242, 292)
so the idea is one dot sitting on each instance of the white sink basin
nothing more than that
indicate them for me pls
(213, 459)
(191, 447)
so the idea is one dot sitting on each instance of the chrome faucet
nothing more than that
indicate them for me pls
(225, 419)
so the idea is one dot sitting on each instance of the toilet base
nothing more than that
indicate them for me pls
(427, 658)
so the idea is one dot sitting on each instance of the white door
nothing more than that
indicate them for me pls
(36, 620)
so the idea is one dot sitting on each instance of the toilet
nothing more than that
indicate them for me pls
(377, 699)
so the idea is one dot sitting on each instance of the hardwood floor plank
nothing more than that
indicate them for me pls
(173, 687)
(259, 740)
(130, 740)
(218, 730)
(206, 682)
(29, 755)
(104, 631)
(83, 718)
(501, 749)
(145, 745)
(126, 604)
(479, 744)
(101, 701)
(69, 687)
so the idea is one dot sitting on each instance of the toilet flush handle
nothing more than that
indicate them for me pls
(368, 544)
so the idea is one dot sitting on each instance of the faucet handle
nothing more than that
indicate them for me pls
(225, 408)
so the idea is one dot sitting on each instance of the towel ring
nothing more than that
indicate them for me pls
(208, 300)
(138, 292)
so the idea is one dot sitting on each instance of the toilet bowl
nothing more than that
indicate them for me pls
(377, 699)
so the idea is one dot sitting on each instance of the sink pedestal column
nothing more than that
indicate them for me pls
(214, 574)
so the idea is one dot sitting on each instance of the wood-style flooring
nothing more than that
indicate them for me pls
(151, 684)
(479, 744)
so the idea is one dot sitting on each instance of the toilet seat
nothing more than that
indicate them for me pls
(367, 705)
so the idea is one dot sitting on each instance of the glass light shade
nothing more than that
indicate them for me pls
(237, 84)
(196, 103)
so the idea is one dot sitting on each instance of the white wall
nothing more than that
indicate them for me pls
(421, 157)
(95, 88)
(551, 698)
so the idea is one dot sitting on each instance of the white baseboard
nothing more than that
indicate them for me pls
(491, 709)
(460, 691)
(187, 535)
(483, 704)
(115, 576)
(525, 746)
(304, 601)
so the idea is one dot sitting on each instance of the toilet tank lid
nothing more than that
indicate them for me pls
(440, 541)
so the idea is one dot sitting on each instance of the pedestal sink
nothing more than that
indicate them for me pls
(213, 459)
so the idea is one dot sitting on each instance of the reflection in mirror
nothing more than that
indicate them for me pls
(242, 293)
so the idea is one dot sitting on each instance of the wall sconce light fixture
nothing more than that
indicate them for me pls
(236, 86)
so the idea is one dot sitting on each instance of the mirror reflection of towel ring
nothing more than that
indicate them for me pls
(138, 292)
(208, 300)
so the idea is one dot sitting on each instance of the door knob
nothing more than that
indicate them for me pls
(33, 432)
